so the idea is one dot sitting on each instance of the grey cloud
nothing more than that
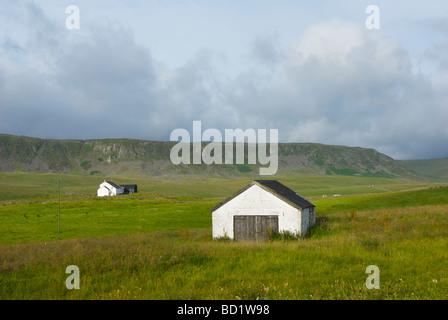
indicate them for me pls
(438, 24)
(338, 84)
(438, 53)
(267, 50)
(363, 93)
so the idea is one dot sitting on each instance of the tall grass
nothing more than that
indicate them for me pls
(158, 245)
(186, 263)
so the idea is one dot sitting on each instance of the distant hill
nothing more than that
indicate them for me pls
(437, 168)
(107, 157)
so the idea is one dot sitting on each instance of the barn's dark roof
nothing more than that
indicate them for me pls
(286, 193)
(113, 184)
(277, 189)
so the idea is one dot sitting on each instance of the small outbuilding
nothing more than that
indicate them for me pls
(261, 208)
(109, 188)
(129, 188)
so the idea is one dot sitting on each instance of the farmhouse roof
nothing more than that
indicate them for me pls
(277, 189)
(113, 184)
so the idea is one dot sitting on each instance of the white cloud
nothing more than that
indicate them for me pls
(342, 84)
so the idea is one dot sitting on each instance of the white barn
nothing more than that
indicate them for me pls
(109, 188)
(261, 207)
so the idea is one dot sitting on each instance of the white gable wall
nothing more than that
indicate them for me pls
(103, 192)
(256, 201)
(107, 189)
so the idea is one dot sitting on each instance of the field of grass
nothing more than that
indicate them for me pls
(27, 185)
(37, 220)
(408, 245)
(157, 244)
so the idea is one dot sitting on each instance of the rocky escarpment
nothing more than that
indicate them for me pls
(138, 157)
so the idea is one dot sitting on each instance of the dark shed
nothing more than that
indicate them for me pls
(130, 188)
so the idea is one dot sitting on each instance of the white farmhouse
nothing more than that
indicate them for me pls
(109, 188)
(262, 207)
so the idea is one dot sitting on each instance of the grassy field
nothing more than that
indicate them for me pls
(26, 185)
(157, 244)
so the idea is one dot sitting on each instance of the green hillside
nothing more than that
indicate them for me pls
(132, 158)
(430, 167)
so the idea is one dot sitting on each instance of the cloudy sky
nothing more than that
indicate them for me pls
(312, 70)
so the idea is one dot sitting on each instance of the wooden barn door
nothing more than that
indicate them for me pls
(254, 228)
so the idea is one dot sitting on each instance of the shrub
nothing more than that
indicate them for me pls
(353, 215)
(321, 228)
(285, 236)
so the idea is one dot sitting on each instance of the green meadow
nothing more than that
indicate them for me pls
(157, 244)
(20, 185)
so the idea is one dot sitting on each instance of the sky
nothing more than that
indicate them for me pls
(313, 70)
